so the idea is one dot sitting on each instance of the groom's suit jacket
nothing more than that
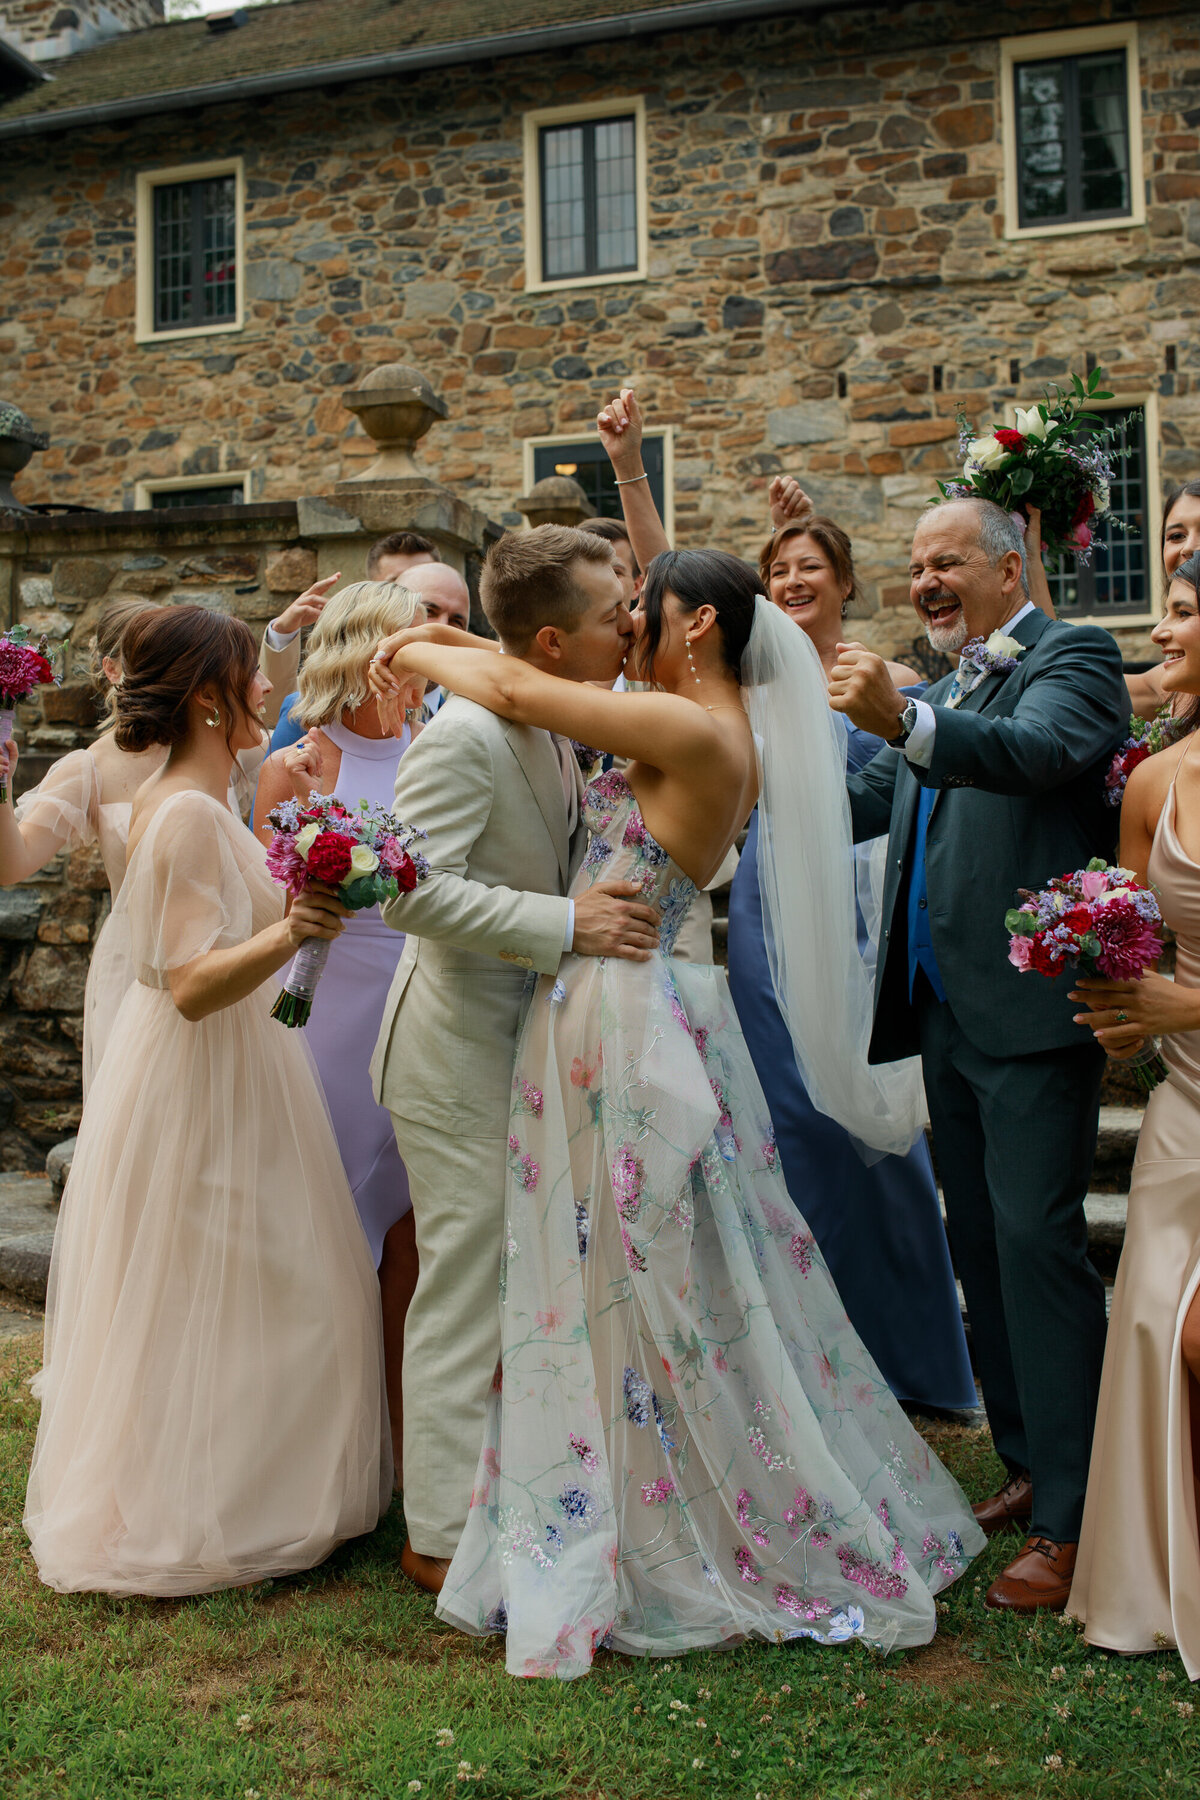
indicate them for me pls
(490, 796)
(1019, 767)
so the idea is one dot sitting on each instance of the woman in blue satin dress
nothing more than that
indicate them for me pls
(879, 1227)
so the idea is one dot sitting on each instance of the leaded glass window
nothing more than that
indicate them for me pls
(1117, 581)
(589, 198)
(230, 495)
(195, 253)
(587, 463)
(1073, 139)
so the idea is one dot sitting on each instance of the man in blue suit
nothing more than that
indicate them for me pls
(993, 782)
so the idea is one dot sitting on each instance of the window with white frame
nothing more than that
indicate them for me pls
(154, 495)
(190, 250)
(1120, 580)
(1071, 120)
(585, 460)
(585, 194)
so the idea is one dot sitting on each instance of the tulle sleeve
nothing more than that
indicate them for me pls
(64, 803)
(185, 892)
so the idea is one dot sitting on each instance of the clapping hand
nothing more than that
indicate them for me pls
(307, 607)
(302, 765)
(788, 501)
(862, 688)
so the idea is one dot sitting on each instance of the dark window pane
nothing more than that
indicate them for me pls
(588, 464)
(195, 253)
(589, 198)
(1072, 139)
(1118, 580)
(198, 496)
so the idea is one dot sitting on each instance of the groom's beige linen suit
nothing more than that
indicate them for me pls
(493, 798)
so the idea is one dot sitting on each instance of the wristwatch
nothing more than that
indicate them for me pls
(908, 719)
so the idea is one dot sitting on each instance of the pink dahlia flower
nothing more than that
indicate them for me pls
(1128, 943)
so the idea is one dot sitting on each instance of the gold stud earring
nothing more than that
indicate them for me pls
(691, 660)
(216, 718)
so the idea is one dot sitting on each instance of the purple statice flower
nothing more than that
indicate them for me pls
(628, 1179)
(598, 853)
(638, 1395)
(576, 1505)
(955, 1544)
(497, 1619)
(746, 1566)
(585, 756)
(285, 816)
(584, 1452)
(657, 1493)
(871, 1575)
(554, 1537)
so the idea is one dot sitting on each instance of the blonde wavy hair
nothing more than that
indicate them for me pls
(333, 675)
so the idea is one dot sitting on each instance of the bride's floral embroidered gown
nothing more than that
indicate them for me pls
(689, 1445)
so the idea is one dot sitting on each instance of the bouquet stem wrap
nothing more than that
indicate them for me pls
(1148, 1065)
(7, 719)
(308, 965)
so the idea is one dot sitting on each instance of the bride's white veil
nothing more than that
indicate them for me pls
(806, 875)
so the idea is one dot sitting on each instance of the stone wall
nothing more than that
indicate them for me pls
(825, 242)
(35, 22)
(58, 577)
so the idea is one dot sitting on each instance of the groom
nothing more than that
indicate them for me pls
(501, 805)
(994, 783)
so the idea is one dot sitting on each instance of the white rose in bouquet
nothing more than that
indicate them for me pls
(1030, 423)
(985, 453)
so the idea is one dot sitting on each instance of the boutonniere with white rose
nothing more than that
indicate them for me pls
(1056, 456)
(366, 855)
(979, 657)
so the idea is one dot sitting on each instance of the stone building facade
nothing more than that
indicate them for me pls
(828, 276)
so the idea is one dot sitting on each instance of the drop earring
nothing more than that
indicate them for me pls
(216, 718)
(691, 660)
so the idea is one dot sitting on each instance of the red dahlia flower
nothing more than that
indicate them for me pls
(1128, 943)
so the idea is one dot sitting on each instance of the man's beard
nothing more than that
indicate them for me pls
(949, 639)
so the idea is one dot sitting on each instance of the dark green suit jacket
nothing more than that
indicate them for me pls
(1020, 768)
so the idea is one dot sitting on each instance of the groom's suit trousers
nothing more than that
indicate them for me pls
(452, 1331)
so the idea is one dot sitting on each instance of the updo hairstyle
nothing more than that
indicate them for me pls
(698, 578)
(167, 653)
(106, 642)
(333, 675)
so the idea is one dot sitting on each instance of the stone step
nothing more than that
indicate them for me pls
(28, 1215)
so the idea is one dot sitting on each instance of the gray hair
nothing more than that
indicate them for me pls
(999, 535)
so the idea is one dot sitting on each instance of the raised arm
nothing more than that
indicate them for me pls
(56, 815)
(620, 426)
(663, 730)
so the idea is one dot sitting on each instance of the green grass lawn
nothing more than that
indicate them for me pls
(342, 1682)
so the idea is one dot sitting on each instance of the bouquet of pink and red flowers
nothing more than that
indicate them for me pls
(1146, 738)
(1056, 456)
(366, 855)
(1101, 920)
(23, 666)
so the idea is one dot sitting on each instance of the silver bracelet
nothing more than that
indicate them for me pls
(629, 480)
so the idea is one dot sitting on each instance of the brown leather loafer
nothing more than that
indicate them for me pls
(1013, 1505)
(1036, 1580)
(428, 1572)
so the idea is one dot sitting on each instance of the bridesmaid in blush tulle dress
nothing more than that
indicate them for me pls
(213, 1405)
(1137, 1575)
(86, 798)
(347, 752)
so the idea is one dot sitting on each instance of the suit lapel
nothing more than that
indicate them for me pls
(540, 766)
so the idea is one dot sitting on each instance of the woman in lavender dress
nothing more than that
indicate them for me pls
(347, 752)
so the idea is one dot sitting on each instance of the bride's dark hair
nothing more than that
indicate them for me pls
(166, 654)
(699, 578)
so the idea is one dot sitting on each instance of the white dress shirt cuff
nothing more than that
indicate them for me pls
(919, 746)
(569, 939)
(279, 640)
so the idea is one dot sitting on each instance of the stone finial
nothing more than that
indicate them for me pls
(18, 441)
(396, 405)
(556, 500)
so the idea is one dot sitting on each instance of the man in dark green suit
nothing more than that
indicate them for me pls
(994, 782)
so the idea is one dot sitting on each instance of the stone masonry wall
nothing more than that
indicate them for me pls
(59, 577)
(33, 21)
(825, 245)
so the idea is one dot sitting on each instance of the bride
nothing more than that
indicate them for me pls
(688, 1445)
